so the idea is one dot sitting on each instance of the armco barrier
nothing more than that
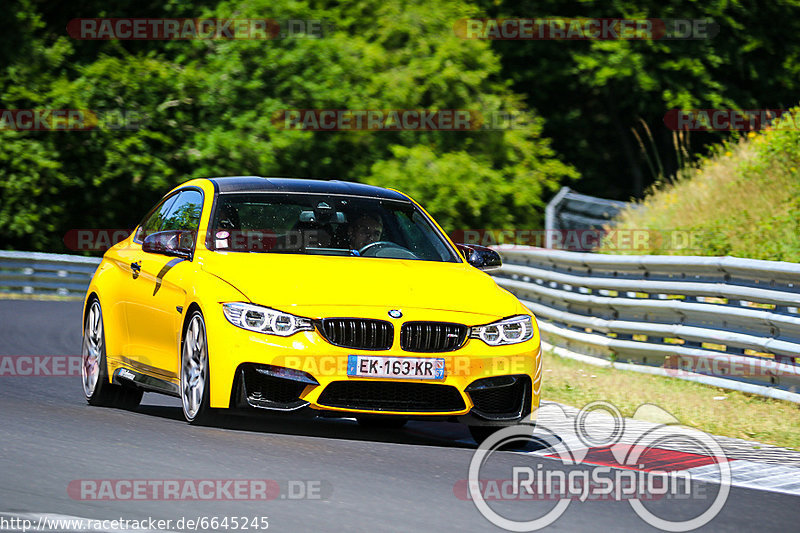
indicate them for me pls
(39, 274)
(733, 319)
(569, 210)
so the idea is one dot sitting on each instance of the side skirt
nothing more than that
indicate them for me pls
(127, 377)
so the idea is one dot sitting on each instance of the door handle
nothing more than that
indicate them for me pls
(136, 269)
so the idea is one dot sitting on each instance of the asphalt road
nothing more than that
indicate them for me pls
(369, 480)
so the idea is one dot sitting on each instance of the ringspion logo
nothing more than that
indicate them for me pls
(636, 476)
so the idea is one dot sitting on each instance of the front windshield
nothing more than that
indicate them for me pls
(325, 225)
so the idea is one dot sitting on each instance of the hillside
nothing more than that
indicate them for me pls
(743, 200)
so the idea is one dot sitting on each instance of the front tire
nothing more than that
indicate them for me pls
(97, 388)
(195, 372)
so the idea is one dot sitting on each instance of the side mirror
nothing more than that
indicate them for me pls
(480, 257)
(178, 243)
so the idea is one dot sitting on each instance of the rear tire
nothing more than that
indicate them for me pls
(195, 382)
(97, 388)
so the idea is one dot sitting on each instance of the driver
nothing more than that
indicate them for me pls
(364, 230)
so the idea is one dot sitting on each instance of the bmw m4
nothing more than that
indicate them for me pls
(320, 297)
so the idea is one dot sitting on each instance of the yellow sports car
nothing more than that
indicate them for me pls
(324, 297)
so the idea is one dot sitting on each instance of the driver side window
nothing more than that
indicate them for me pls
(181, 211)
(184, 214)
(155, 220)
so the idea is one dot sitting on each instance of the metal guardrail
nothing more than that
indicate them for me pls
(569, 210)
(735, 319)
(41, 274)
(727, 315)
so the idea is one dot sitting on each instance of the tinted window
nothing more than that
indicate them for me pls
(153, 223)
(325, 225)
(180, 211)
(184, 213)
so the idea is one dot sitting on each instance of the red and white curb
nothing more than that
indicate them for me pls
(744, 473)
(752, 465)
(754, 475)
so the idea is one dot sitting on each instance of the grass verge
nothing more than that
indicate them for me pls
(710, 409)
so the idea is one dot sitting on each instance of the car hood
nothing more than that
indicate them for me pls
(290, 280)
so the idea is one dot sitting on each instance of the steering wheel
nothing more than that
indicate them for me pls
(378, 246)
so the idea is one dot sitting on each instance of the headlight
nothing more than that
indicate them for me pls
(507, 331)
(265, 320)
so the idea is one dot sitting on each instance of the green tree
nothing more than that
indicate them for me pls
(209, 108)
(593, 94)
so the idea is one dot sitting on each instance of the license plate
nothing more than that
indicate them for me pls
(370, 366)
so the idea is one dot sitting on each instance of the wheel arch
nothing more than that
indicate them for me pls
(190, 309)
(114, 340)
(91, 297)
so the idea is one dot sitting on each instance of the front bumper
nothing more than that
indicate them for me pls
(247, 371)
